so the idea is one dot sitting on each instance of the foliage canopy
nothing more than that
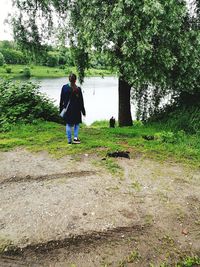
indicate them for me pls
(152, 44)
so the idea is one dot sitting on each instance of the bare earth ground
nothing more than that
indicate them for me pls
(69, 212)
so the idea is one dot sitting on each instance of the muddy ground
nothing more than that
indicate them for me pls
(73, 212)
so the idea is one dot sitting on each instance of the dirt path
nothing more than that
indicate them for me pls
(68, 211)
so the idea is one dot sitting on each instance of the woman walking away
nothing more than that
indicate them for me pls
(71, 99)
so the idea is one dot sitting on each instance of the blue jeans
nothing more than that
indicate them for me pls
(69, 131)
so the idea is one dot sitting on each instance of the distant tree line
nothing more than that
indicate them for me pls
(11, 53)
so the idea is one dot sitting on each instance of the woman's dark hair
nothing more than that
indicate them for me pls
(72, 77)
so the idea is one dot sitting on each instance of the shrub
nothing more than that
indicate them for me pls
(165, 137)
(138, 123)
(62, 67)
(170, 137)
(22, 102)
(12, 56)
(52, 59)
(1, 59)
(183, 117)
(8, 69)
(62, 60)
(27, 72)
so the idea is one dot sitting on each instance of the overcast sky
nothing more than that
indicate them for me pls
(5, 8)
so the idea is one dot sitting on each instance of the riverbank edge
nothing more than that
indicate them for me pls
(37, 71)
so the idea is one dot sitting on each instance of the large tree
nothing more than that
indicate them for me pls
(140, 37)
(182, 78)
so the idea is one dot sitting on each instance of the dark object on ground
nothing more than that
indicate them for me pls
(148, 137)
(112, 122)
(117, 154)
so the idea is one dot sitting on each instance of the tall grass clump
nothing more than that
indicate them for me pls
(21, 102)
(184, 117)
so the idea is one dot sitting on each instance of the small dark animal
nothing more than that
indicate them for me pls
(119, 154)
(112, 122)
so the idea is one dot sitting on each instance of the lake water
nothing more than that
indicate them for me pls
(100, 96)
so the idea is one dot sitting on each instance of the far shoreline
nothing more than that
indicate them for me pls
(43, 72)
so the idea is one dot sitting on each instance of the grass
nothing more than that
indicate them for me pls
(134, 256)
(5, 244)
(110, 165)
(136, 185)
(186, 262)
(189, 262)
(50, 136)
(48, 72)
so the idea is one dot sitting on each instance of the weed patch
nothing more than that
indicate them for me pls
(5, 244)
(110, 165)
(134, 256)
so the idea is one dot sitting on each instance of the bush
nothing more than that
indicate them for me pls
(52, 59)
(8, 69)
(183, 117)
(12, 56)
(62, 67)
(22, 102)
(171, 137)
(26, 72)
(138, 123)
(62, 60)
(1, 59)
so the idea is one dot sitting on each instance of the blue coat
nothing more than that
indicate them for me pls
(76, 104)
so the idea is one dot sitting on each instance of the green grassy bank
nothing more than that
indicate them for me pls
(47, 72)
(98, 138)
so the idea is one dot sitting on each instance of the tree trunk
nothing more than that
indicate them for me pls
(124, 118)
